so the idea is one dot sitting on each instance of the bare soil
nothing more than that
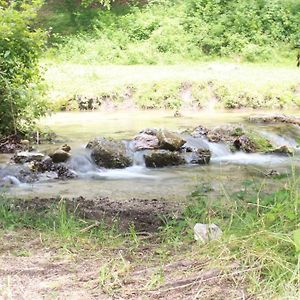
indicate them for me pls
(144, 214)
(32, 267)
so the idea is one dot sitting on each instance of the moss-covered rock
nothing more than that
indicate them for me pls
(282, 150)
(163, 158)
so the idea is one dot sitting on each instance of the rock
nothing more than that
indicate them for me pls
(163, 158)
(200, 157)
(60, 156)
(275, 118)
(282, 150)
(109, 153)
(206, 232)
(236, 137)
(272, 173)
(41, 166)
(245, 144)
(11, 144)
(66, 148)
(150, 131)
(199, 131)
(169, 140)
(177, 114)
(25, 156)
(145, 141)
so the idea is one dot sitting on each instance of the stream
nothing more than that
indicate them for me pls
(226, 171)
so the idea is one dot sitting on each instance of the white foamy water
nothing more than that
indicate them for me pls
(242, 158)
(135, 172)
(11, 180)
(219, 150)
(279, 140)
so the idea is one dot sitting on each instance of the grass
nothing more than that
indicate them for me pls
(258, 239)
(172, 87)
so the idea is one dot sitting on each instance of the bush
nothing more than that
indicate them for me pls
(21, 86)
(173, 31)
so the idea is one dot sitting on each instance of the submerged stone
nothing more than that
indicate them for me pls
(200, 156)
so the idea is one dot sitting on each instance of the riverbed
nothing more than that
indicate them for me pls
(226, 172)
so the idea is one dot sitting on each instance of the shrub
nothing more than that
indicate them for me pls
(20, 80)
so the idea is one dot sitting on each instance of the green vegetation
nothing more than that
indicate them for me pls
(225, 86)
(20, 82)
(173, 31)
(261, 236)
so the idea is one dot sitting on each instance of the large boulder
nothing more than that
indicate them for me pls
(163, 158)
(109, 153)
(25, 156)
(169, 140)
(145, 141)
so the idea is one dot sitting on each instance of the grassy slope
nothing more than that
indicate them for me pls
(248, 85)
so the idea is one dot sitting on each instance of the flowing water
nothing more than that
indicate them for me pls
(226, 171)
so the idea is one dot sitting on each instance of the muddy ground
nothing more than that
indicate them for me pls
(145, 214)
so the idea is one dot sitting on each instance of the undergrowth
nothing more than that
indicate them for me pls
(172, 31)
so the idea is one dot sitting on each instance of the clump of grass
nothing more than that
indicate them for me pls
(258, 233)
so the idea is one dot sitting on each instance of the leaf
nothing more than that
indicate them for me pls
(6, 53)
(296, 238)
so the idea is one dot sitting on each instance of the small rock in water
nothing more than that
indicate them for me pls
(60, 156)
(66, 148)
(206, 232)
(282, 150)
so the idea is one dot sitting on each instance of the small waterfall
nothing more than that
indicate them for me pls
(138, 159)
(81, 162)
(11, 180)
(241, 158)
(219, 149)
(279, 140)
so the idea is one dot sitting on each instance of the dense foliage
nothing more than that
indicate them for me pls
(20, 81)
(169, 31)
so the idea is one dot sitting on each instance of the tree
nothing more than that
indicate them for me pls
(21, 92)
